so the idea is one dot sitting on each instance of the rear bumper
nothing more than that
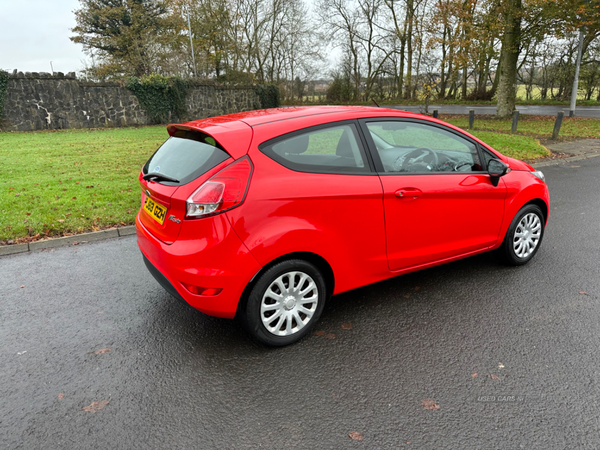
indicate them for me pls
(207, 253)
(162, 280)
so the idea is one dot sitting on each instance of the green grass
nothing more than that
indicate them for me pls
(540, 128)
(71, 181)
(66, 182)
(515, 146)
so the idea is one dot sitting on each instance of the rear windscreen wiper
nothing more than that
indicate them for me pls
(159, 177)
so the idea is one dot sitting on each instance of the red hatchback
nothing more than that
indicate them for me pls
(265, 214)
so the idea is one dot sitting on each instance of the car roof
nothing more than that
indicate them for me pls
(234, 131)
(263, 116)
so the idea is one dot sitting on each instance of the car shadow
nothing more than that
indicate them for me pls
(225, 336)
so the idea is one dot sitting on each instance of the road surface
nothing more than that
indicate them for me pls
(509, 355)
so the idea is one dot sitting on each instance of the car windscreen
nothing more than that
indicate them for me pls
(184, 157)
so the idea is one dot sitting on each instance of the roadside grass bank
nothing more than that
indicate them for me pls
(535, 126)
(71, 181)
(515, 146)
(66, 182)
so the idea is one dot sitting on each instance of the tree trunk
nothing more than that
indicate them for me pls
(509, 55)
(443, 81)
(410, 13)
(401, 76)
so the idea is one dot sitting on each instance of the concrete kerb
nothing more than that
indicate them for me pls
(558, 162)
(67, 240)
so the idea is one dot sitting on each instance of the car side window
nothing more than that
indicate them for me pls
(334, 149)
(419, 148)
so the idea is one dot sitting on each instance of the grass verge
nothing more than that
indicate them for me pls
(535, 126)
(64, 182)
(71, 181)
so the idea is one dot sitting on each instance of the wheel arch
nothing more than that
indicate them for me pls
(317, 260)
(541, 204)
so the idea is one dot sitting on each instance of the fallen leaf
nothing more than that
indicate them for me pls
(101, 351)
(61, 396)
(407, 295)
(61, 220)
(100, 312)
(320, 333)
(582, 293)
(494, 377)
(474, 374)
(500, 366)
(430, 404)
(417, 288)
(22, 285)
(330, 336)
(96, 406)
(347, 326)
(355, 436)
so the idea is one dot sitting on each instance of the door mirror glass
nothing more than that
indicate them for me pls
(496, 168)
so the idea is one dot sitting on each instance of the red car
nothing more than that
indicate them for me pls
(265, 214)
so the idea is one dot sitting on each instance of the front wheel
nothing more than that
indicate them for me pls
(524, 236)
(285, 303)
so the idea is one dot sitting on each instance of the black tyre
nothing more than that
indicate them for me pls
(285, 303)
(524, 236)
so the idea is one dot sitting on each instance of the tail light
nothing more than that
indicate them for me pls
(222, 192)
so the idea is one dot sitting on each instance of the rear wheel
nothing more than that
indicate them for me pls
(285, 303)
(524, 236)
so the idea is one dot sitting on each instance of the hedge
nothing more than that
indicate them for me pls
(161, 97)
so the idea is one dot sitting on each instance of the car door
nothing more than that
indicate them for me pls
(314, 190)
(438, 201)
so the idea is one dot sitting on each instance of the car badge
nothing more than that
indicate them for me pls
(174, 219)
(148, 193)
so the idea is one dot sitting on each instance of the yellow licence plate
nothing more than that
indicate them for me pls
(156, 210)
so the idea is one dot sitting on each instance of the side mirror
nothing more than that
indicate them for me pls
(496, 169)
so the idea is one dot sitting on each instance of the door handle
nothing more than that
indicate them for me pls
(408, 193)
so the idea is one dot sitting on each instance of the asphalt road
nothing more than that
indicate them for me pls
(543, 110)
(180, 380)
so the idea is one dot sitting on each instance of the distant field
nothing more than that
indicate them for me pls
(521, 99)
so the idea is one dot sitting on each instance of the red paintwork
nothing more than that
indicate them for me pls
(359, 224)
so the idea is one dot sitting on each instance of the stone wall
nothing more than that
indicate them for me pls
(39, 101)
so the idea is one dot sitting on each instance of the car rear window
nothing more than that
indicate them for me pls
(185, 156)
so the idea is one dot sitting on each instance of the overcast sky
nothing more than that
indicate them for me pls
(35, 32)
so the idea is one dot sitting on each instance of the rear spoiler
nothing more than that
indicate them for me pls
(233, 136)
